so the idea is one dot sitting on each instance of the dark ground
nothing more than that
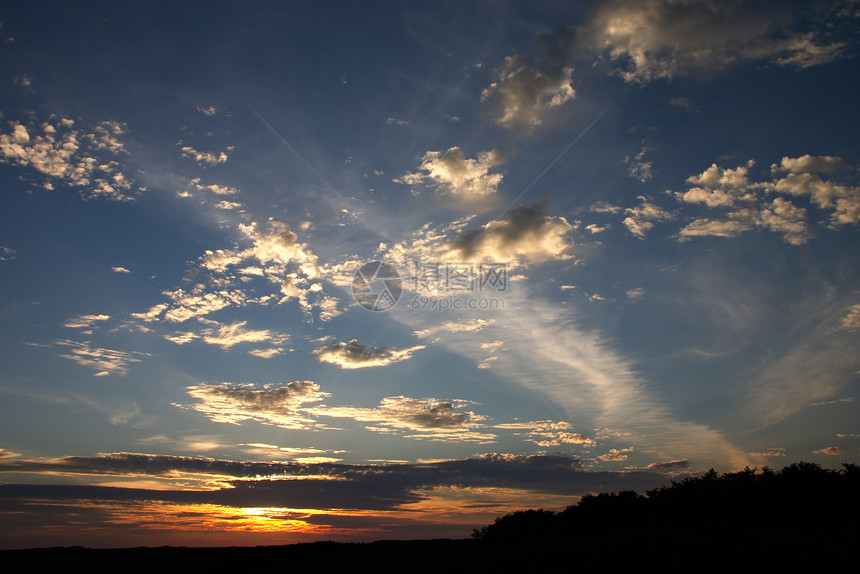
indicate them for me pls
(681, 550)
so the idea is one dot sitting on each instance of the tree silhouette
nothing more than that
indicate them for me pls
(800, 495)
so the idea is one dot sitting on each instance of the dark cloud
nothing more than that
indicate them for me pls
(323, 485)
(525, 232)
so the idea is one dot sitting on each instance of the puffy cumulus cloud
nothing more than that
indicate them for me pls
(747, 205)
(718, 187)
(525, 234)
(781, 216)
(549, 433)
(809, 164)
(640, 219)
(844, 200)
(647, 41)
(522, 92)
(354, 355)
(280, 405)
(276, 244)
(205, 158)
(120, 270)
(432, 419)
(830, 450)
(852, 319)
(80, 158)
(453, 173)
(103, 361)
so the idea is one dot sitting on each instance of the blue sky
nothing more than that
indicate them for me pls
(626, 236)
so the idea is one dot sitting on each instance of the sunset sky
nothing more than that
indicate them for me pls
(277, 272)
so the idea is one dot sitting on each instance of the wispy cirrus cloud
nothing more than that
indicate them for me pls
(103, 361)
(85, 321)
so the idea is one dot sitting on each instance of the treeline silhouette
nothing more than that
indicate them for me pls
(802, 496)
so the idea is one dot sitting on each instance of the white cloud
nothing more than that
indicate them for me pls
(227, 205)
(207, 110)
(120, 270)
(640, 219)
(103, 361)
(844, 200)
(195, 185)
(432, 419)
(6, 253)
(781, 216)
(85, 321)
(733, 190)
(280, 405)
(770, 452)
(468, 326)
(454, 174)
(522, 93)
(830, 450)
(267, 353)
(206, 158)
(354, 355)
(549, 433)
(809, 164)
(196, 303)
(718, 187)
(71, 156)
(852, 319)
(709, 227)
(615, 455)
(638, 168)
(226, 336)
(182, 337)
(636, 294)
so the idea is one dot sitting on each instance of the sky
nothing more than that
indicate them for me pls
(277, 272)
